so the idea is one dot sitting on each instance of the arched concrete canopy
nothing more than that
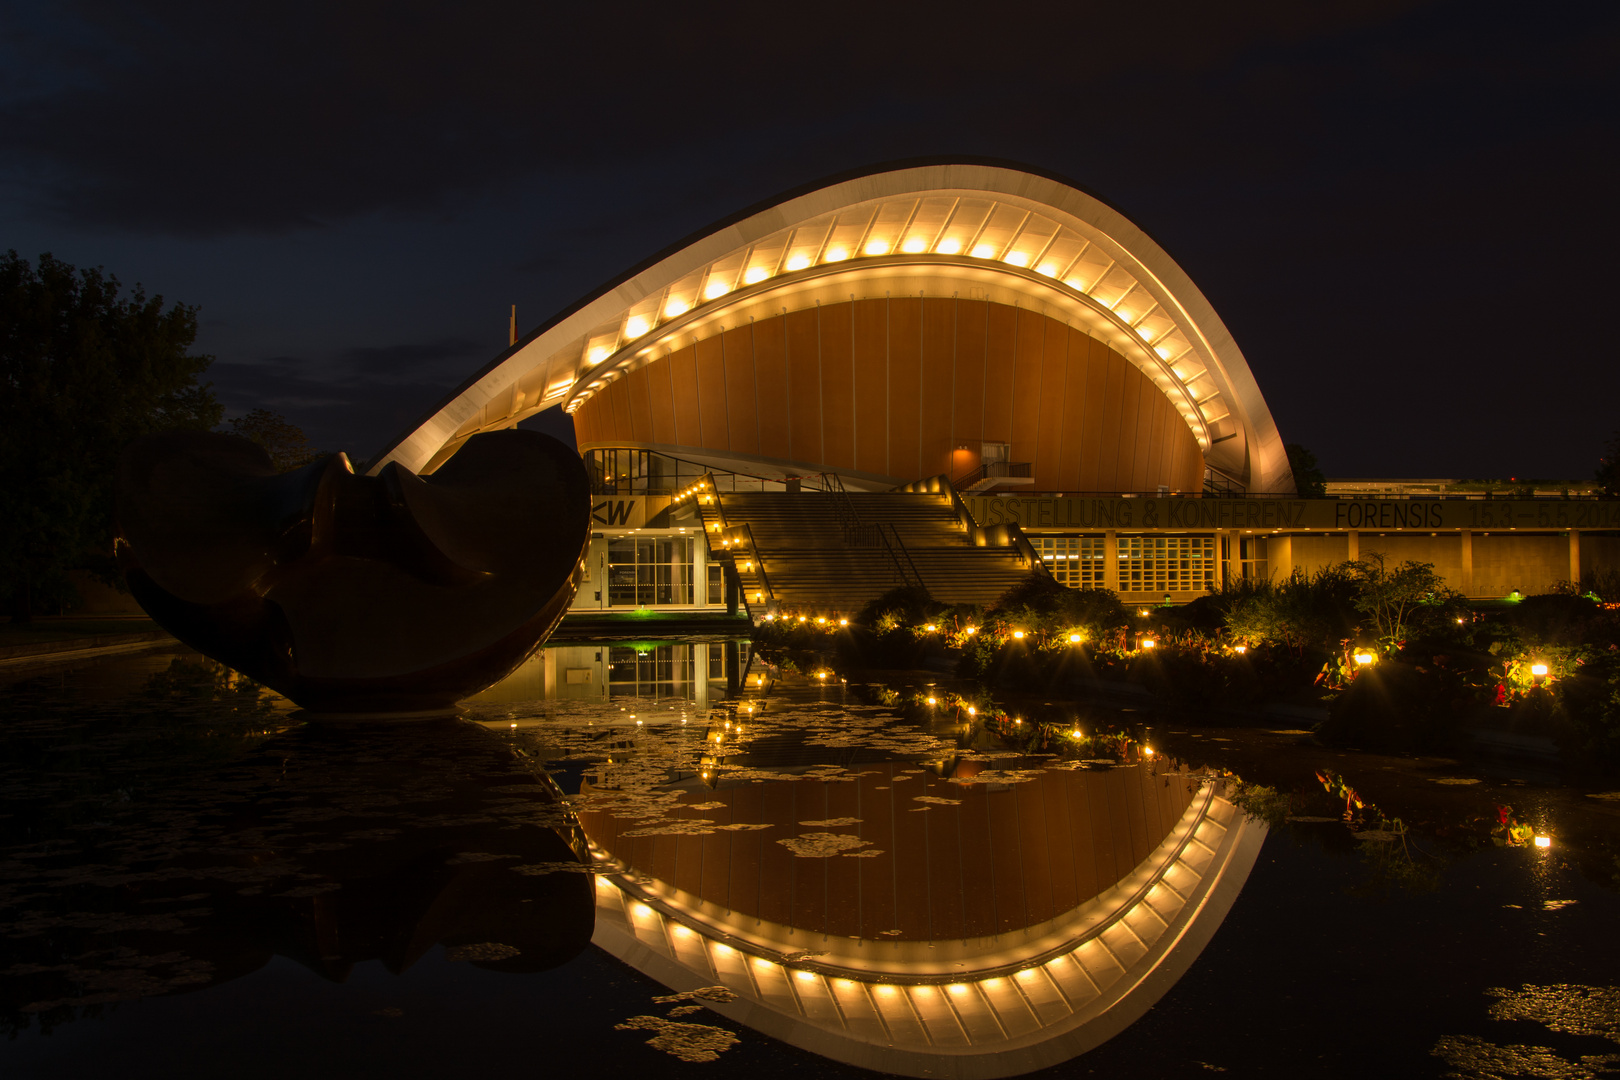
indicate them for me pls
(973, 228)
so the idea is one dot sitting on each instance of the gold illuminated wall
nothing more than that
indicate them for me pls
(906, 388)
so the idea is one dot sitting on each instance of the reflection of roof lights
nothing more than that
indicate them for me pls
(798, 262)
(877, 247)
(1018, 258)
(984, 251)
(715, 290)
(915, 246)
(755, 275)
(949, 247)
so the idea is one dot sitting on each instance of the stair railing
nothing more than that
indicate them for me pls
(1005, 535)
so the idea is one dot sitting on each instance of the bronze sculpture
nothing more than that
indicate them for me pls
(356, 594)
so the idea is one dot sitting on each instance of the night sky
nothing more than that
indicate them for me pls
(1405, 212)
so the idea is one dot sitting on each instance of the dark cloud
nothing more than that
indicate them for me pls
(1402, 209)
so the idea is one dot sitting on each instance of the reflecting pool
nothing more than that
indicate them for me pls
(669, 855)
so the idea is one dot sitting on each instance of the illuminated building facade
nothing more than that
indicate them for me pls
(979, 321)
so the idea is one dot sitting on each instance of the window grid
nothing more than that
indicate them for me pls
(1075, 561)
(650, 573)
(1166, 564)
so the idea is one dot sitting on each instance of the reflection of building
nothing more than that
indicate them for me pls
(699, 672)
(1003, 926)
(980, 322)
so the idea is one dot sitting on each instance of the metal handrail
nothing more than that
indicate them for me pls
(1006, 535)
(988, 469)
(898, 552)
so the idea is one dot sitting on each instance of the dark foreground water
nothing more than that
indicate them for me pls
(193, 882)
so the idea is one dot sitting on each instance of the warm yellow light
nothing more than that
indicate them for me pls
(755, 275)
(599, 354)
(804, 976)
(1075, 734)
(877, 247)
(1018, 634)
(1364, 658)
(1147, 751)
(1164, 353)
(1459, 622)
(1538, 670)
(1017, 258)
(972, 630)
(930, 628)
(1544, 841)
(821, 618)
(843, 622)
(798, 262)
(914, 246)
(972, 711)
(1074, 639)
(770, 618)
(1047, 269)
(984, 251)
(837, 254)
(635, 327)
(1143, 332)
(715, 290)
(821, 674)
(674, 308)
(1241, 649)
(802, 618)
(1142, 611)
(1148, 643)
(932, 701)
(949, 247)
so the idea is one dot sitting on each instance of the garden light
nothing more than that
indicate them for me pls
(971, 712)
(1241, 649)
(1147, 751)
(1148, 643)
(1364, 658)
(843, 622)
(1019, 634)
(930, 628)
(1544, 841)
(972, 630)
(931, 701)
(821, 618)
(1142, 611)
(1538, 670)
(1074, 639)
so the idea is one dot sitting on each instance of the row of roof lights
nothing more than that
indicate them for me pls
(638, 326)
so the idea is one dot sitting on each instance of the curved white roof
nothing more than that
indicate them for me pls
(987, 230)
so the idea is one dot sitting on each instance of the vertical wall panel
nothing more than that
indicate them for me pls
(1113, 400)
(711, 376)
(1158, 469)
(905, 385)
(804, 385)
(1073, 410)
(1049, 426)
(1145, 393)
(967, 425)
(683, 377)
(640, 384)
(938, 384)
(871, 362)
(837, 387)
(770, 373)
(1000, 336)
(661, 388)
(1026, 384)
(742, 417)
(1091, 421)
(618, 396)
(1130, 403)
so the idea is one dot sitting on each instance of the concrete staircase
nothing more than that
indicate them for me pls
(832, 551)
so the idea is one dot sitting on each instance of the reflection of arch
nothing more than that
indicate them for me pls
(972, 230)
(1030, 921)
